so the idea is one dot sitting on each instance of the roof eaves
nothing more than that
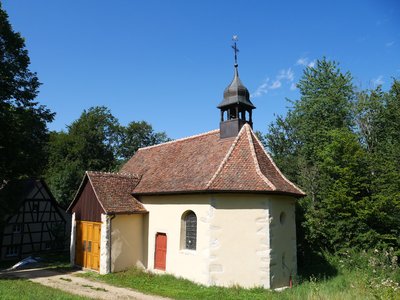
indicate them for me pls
(276, 168)
(127, 212)
(215, 191)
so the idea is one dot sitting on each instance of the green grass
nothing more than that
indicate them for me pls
(21, 289)
(358, 276)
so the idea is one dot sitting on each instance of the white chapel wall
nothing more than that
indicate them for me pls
(282, 240)
(165, 213)
(239, 245)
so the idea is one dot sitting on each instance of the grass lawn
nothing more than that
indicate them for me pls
(347, 286)
(21, 289)
(14, 288)
(352, 280)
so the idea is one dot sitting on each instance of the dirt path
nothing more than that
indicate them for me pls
(78, 285)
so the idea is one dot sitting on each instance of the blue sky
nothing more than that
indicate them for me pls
(168, 62)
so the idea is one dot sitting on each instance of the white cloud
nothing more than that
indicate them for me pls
(283, 76)
(311, 64)
(305, 61)
(378, 81)
(286, 74)
(389, 44)
(302, 61)
(293, 86)
(275, 85)
(262, 89)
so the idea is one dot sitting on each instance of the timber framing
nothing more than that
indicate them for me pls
(37, 224)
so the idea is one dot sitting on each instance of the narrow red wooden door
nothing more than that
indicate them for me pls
(161, 251)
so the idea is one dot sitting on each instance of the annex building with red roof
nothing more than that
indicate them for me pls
(213, 208)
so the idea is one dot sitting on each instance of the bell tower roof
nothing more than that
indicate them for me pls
(236, 107)
(236, 92)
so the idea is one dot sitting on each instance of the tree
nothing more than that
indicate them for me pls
(23, 130)
(89, 144)
(343, 148)
(316, 146)
(96, 142)
(137, 135)
(378, 118)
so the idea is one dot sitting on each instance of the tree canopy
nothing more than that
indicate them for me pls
(342, 147)
(96, 142)
(23, 122)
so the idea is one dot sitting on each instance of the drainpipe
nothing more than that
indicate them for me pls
(109, 238)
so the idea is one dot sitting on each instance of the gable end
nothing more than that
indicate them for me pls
(86, 206)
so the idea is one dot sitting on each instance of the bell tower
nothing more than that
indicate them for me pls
(236, 107)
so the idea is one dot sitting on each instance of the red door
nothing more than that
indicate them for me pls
(161, 251)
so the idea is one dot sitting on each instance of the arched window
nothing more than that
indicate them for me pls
(189, 230)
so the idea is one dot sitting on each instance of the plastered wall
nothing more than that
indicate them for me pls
(283, 241)
(105, 259)
(72, 247)
(239, 246)
(126, 242)
(165, 214)
(240, 240)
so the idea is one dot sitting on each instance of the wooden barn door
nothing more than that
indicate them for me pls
(87, 252)
(160, 255)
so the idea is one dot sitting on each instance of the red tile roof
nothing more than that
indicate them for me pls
(113, 191)
(206, 163)
(201, 163)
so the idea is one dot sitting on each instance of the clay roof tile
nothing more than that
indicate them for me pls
(206, 162)
(114, 191)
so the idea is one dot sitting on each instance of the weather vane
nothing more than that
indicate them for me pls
(235, 48)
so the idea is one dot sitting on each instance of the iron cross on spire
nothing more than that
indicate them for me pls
(235, 48)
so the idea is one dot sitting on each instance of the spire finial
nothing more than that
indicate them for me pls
(235, 48)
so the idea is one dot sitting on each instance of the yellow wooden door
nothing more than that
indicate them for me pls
(96, 246)
(84, 247)
(88, 244)
(79, 244)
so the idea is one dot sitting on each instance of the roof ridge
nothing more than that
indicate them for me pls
(222, 164)
(276, 168)
(180, 140)
(256, 162)
(124, 174)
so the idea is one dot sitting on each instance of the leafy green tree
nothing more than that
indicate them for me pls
(316, 146)
(88, 145)
(23, 130)
(96, 142)
(343, 148)
(378, 118)
(137, 135)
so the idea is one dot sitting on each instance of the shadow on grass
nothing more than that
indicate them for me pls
(315, 265)
(47, 264)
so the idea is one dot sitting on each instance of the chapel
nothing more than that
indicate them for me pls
(213, 208)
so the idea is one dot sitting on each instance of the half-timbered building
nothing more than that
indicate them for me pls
(32, 221)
